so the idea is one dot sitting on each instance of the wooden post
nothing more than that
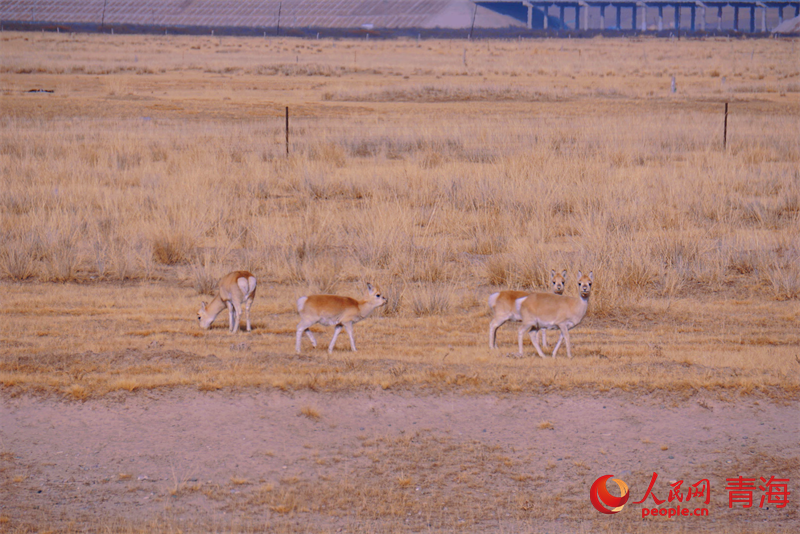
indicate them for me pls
(287, 128)
(725, 129)
(472, 27)
(278, 26)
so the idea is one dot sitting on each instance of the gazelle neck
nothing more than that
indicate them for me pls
(215, 306)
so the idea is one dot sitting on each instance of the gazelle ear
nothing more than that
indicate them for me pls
(552, 274)
(369, 287)
(203, 306)
(591, 276)
(580, 275)
(564, 274)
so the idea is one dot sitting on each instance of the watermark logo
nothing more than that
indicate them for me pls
(601, 497)
(606, 503)
(693, 500)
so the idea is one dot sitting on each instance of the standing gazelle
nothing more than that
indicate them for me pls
(332, 310)
(504, 306)
(543, 311)
(236, 292)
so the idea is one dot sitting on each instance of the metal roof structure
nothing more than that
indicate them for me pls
(258, 13)
(629, 15)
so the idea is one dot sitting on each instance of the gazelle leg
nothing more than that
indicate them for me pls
(335, 335)
(303, 327)
(521, 335)
(544, 337)
(312, 338)
(237, 316)
(231, 316)
(565, 330)
(493, 326)
(558, 343)
(565, 337)
(535, 341)
(247, 305)
(349, 328)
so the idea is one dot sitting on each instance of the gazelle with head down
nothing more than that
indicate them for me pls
(236, 292)
(543, 311)
(336, 311)
(504, 306)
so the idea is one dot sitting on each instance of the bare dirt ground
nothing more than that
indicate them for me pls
(377, 461)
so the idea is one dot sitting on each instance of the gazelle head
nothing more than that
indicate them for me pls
(203, 317)
(374, 298)
(585, 284)
(558, 281)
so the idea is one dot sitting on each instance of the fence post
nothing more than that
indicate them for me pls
(725, 129)
(287, 130)
(472, 27)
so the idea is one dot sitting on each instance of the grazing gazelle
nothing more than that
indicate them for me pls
(504, 306)
(332, 310)
(543, 311)
(236, 292)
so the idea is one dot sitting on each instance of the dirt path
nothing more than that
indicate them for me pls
(381, 461)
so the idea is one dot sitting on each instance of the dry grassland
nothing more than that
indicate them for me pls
(441, 171)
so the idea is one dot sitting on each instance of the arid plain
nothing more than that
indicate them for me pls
(137, 170)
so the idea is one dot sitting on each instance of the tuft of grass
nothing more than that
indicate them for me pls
(78, 392)
(310, 412)
(546, 425)
(18, 260)
(172, 248)
(431, 300)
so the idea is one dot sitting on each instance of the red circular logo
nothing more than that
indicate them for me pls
(600, 496)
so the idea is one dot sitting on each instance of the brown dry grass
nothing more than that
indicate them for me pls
(146, 175)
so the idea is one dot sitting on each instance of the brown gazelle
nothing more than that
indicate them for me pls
(543, 311)
(504, 306)
(236, 292)
(336, 311)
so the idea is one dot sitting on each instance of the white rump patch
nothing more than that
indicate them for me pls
(301, 302)
(247, 285)
(518, 304)
(493, 299)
